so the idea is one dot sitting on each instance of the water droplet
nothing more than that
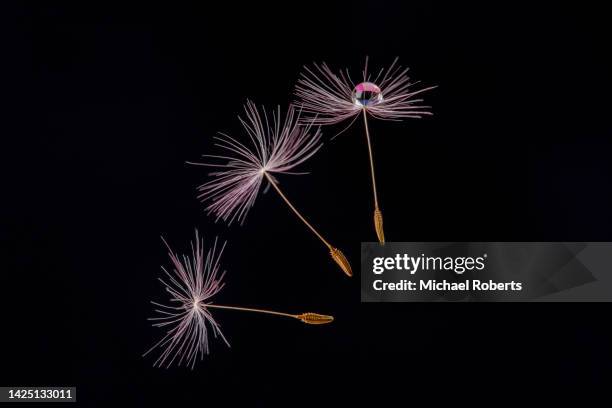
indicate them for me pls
(367, 94)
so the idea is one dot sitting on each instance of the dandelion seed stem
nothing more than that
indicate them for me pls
(248, 309)
(300, 216)
(367, 132)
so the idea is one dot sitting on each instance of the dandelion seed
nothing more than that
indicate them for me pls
(187, 317)
(329, 98)
(275, 146)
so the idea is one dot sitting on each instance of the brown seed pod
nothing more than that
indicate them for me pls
(341, 260)
(378, 225)
(314, 318)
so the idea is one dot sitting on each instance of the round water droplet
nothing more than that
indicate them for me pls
(367, 94)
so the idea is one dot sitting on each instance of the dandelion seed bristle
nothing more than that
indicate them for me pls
(328, 98)
(272, 145)
(194, 280)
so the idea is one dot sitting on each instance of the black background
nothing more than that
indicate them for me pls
(106, 103)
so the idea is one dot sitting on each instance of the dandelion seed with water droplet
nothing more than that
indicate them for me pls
(187, 317)
(329, 98)
(275, 146)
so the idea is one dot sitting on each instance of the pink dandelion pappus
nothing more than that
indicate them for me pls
(194, 281)
(275, 146)
(328, 98)
(191, 284)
